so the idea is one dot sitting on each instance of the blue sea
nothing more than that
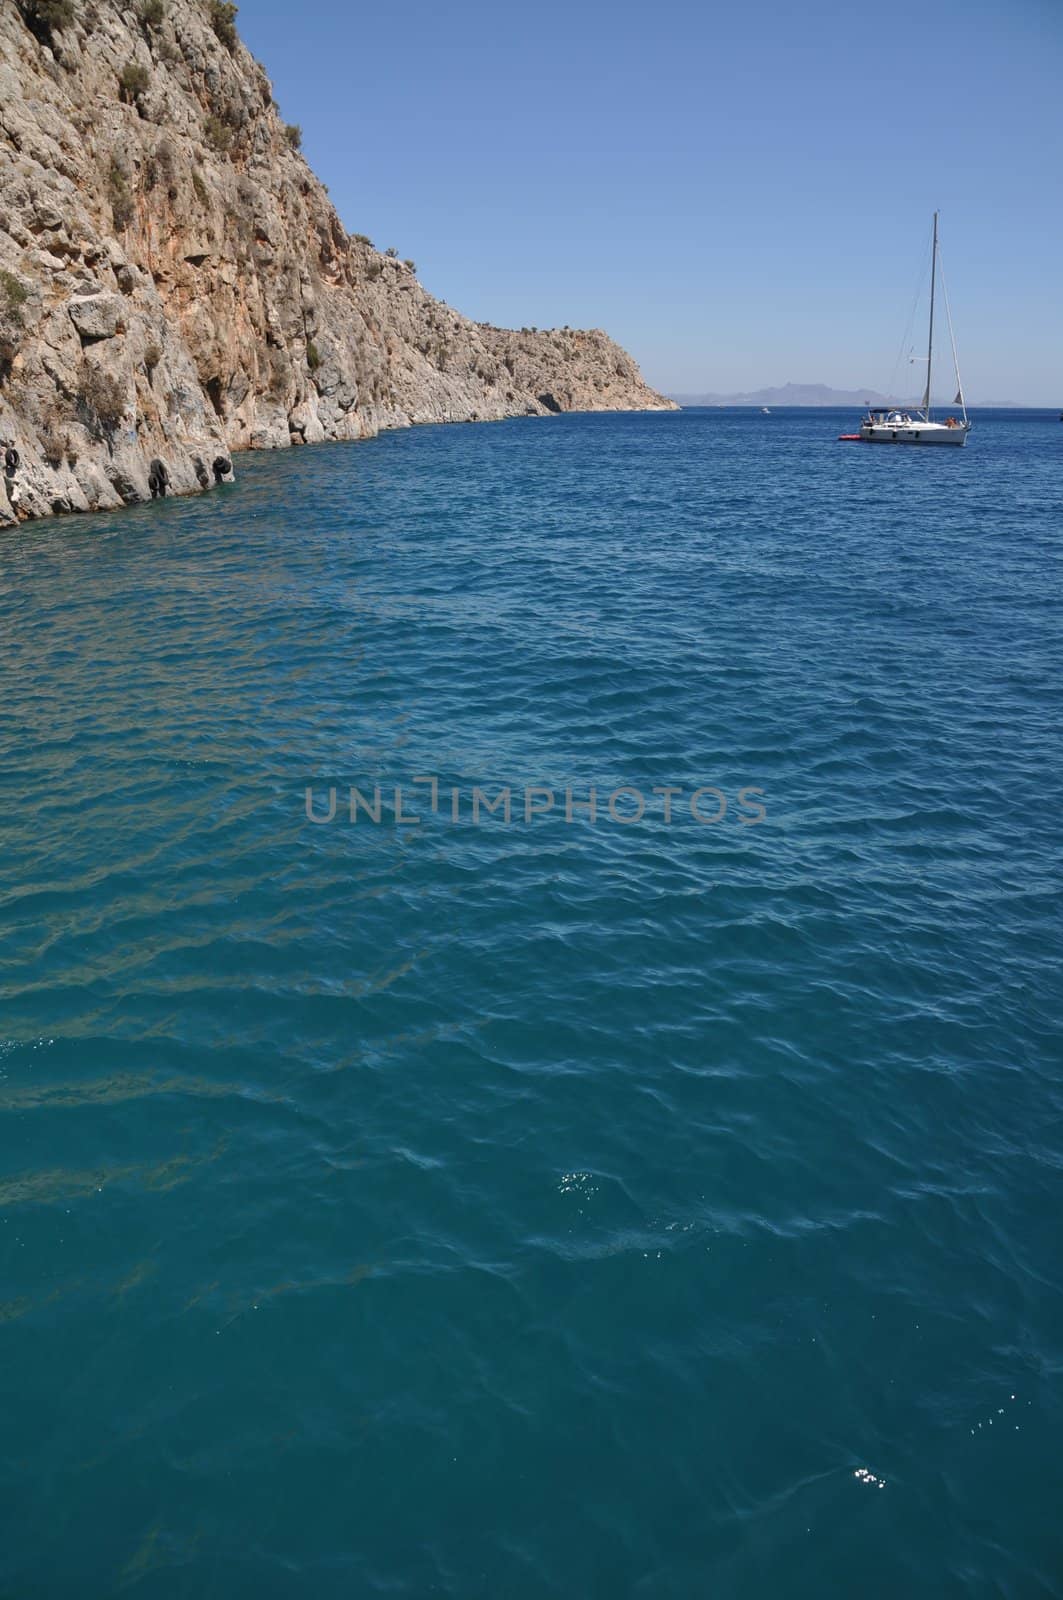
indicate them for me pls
(656, 1203)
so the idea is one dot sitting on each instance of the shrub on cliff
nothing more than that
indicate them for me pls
(153, 13)
(43, 17)
(133, 80)
(218, 134)
(100, 399)
(313, 355)
(120, 196)
(55, 441)
(294, 135)
(223, 20)
(13, 296)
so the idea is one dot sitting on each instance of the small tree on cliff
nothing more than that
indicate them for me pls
(223, 20)
(45, 17)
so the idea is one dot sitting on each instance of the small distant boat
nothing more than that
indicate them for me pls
(766, 413)
(892, 424)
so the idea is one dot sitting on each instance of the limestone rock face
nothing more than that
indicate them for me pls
(175, 283)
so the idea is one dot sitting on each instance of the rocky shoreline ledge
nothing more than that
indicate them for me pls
(176, 286)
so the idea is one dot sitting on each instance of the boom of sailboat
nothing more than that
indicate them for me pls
(894, 425)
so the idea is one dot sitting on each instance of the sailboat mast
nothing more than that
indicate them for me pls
(930, 340)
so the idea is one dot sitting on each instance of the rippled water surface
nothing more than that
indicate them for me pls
(542, 1208)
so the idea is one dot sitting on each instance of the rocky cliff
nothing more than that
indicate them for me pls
(175, 284)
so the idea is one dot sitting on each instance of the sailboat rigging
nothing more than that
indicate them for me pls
(892, 424)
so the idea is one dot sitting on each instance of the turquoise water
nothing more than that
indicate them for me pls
(546, 1208)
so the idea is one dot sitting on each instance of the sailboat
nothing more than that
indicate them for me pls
(891, 424)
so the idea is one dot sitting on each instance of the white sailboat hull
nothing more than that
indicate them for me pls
(916, 432)
(893, 423)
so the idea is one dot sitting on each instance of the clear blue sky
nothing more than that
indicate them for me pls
(739, 192)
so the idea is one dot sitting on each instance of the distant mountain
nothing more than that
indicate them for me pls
(790, 394)
(815, 394)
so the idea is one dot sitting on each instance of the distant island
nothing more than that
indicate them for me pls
(811, 394)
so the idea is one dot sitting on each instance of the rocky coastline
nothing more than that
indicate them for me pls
(177, 287)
